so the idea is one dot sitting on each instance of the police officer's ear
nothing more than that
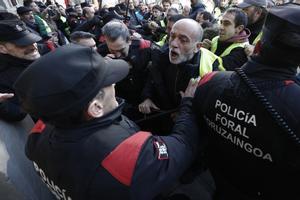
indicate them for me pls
(95, 109)
(3, 49)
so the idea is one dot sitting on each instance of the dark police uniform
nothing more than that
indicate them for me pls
(139, 56)
(109, 158)
(13, 31)
(253, 138)
(105, 157)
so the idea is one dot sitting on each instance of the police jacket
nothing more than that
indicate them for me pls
(10, 68)
(166, 80)
(249, 154)
(139, 56)
(109, 158)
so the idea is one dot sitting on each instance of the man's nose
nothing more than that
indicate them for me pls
(174, 42)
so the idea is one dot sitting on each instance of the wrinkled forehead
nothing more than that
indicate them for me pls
(185, 30)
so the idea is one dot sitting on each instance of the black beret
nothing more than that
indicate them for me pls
(66, 80)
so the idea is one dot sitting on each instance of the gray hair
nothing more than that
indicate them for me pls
(115, 29)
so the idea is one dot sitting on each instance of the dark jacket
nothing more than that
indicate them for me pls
(93, 26)
(199, 7)
(159, 33)
(134, 20)
(10, 68)
(255, 29)
(109, 158)
(131, 87)
(235, 59)
(74, 21)
(139, 56)
(167, 80)
(249, 154)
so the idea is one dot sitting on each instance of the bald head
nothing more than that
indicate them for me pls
(89, 12)
(190, 27)
(185, 40)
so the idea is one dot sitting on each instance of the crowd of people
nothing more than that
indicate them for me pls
(157, 101)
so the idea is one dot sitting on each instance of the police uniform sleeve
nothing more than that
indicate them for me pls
(148, 164)
(11, 111)
(164, 159)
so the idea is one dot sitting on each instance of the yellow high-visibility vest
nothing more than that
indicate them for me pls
(258, 37)
(162, 41)
(214, 45)
(162, 23)
(207, 60)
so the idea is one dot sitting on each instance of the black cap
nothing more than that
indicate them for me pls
(66, 80)
(283, 22)
(22, 10)
(257, 3)
(289, 12)
(280, 40)
(15, 31)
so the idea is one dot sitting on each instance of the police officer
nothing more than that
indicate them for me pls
(18, 49)
(138, 53)
(87, 149)
(251, 116)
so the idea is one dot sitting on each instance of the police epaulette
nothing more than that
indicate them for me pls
(38, 127)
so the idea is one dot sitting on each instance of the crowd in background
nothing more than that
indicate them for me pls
(165, 44)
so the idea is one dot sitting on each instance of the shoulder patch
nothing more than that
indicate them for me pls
(288, 82)
(38, 127)
(101, 39)
(120, 163)
(206, 78)
(144, 44)
(161, 150)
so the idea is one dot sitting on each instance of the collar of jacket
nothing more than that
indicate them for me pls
(240, 38)
(83, 129)
(11, 61)
(254, 68)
